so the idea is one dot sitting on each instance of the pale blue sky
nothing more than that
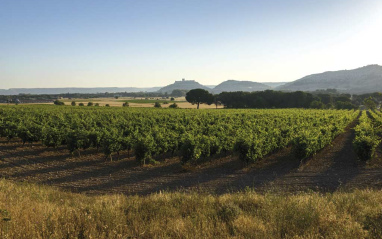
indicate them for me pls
(93, 43)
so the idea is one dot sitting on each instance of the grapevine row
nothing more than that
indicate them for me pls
(193, 135)
(366, 138)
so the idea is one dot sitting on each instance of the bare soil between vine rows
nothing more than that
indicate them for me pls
(334, 168)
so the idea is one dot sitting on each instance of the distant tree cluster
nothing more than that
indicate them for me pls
(266, 99)
(270, 99)
(179, 93)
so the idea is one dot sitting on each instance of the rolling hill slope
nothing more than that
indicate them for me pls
(366, 79)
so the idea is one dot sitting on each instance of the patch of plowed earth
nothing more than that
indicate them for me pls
(334, 167)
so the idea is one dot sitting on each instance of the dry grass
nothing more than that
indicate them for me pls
(118, 102)
(33, 211)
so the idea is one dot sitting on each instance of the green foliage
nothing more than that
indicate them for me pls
(157, 105)
(178, 93)
(90, 103)
(144, 148)
(194, 135)
(174, 106)
(370, 103)
(190, 150)
(341, 105)
(366, 140)
(52, 136)
(57, 102)
(317, 105)
(77, 139)
(110, 142)
(73, 103)
(365, 146)
(125, 104)
(199, 96)
(81, 104)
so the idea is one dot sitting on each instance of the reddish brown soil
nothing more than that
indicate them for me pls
(335, 167)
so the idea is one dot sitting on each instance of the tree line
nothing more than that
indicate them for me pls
(271, 99)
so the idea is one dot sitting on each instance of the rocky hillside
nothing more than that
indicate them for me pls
(361, 80)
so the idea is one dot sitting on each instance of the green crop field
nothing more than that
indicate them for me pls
(192, 134)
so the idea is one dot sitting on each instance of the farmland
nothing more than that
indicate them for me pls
(194, 135)
(137, 102)
(230, 161)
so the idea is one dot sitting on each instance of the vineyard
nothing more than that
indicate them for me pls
(367, 139)
(151, 134)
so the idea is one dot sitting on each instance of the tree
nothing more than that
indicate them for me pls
(157, 105)
(340, 105)
(316, 104)
(73, 103)
(90, 104)
(217, 101)
(107, 105)
(125, 104)
(370, 103)
(81, 104)
(199, 96)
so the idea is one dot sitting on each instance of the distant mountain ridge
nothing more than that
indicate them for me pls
(183, 85)
(72, 90)
(365, 79)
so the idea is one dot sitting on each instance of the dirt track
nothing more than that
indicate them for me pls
(335, 167)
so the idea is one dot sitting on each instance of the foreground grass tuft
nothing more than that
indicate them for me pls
(33, 211)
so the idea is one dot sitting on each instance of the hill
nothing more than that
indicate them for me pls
(273, 84)
(234, 85)
(183, 85)
(366, 79)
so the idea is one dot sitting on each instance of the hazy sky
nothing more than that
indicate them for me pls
(99, 43)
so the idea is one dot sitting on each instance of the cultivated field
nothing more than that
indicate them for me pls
(141, 102)
(248, 173)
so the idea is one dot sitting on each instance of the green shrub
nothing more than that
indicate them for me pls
(57, 102)
(173, 106)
